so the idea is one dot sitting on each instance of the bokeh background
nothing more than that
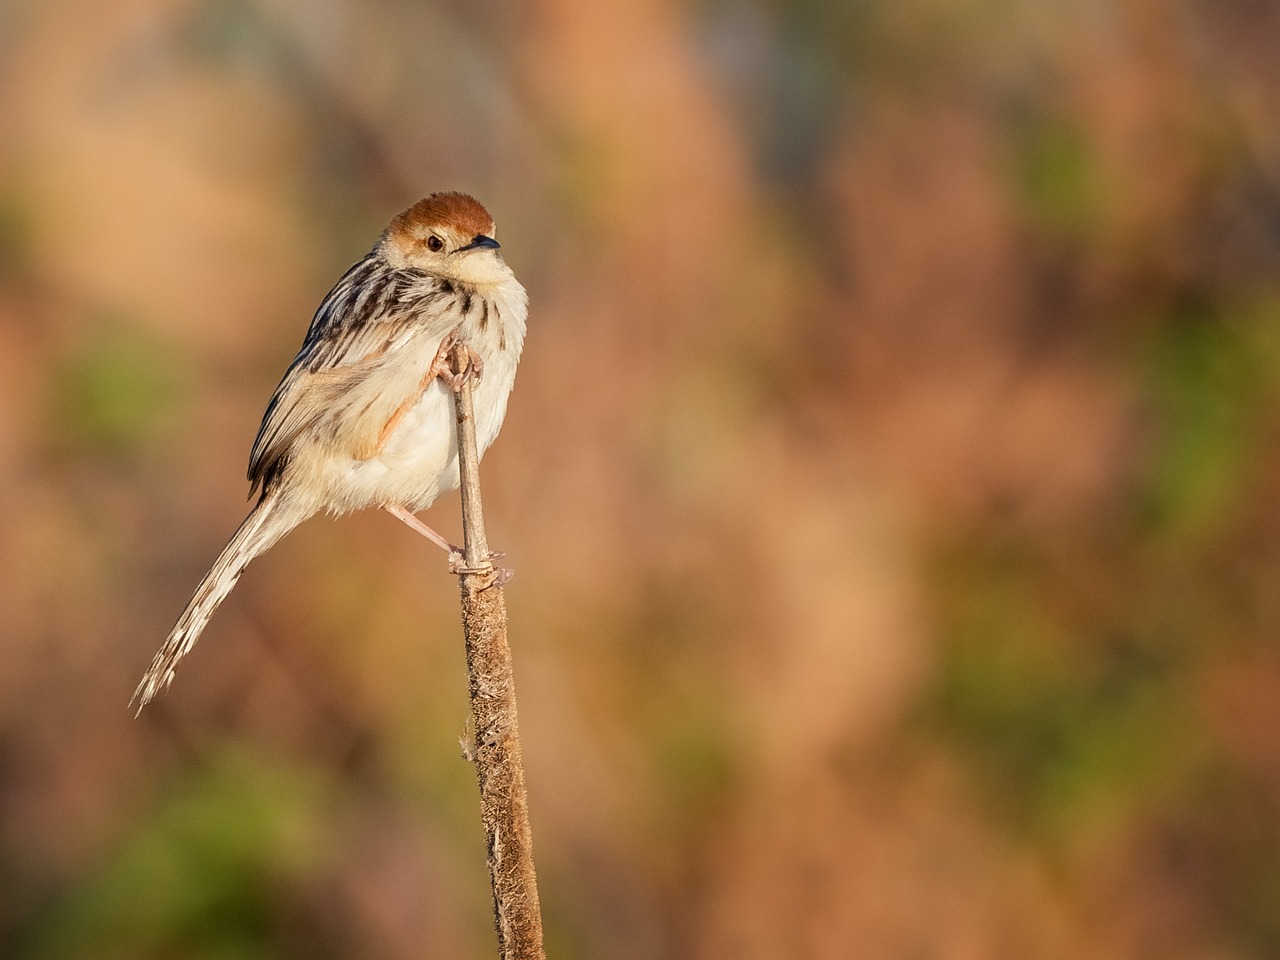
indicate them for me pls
(893, 478)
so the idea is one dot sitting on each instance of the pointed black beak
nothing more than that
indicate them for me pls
(480, 242)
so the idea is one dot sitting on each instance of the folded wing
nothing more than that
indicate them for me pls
(362, 329)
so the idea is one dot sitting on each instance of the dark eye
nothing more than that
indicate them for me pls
(435, 244)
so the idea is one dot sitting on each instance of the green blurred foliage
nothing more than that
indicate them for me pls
(118, 392)
(200, 875)
(1213, 389)
(1059, 183)
(1066, 731)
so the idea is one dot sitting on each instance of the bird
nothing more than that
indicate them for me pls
(363, 417)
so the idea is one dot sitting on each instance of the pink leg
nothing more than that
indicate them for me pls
(413, 523)
(455, 553)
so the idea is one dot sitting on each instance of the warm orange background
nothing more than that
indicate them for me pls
(893, 478)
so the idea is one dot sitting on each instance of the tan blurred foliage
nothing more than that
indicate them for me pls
(891, 478)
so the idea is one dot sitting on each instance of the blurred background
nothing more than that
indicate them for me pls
(893, 478)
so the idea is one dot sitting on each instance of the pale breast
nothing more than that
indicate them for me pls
(418, 462)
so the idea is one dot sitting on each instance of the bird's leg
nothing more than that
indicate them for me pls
(439, 368)
(455, 552)
(416, 525)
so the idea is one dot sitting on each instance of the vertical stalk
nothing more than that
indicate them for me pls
(504, 805)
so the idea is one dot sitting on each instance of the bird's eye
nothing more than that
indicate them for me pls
(435, 244)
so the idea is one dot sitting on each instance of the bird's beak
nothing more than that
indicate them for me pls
(480, 242)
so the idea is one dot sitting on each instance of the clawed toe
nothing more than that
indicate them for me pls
(473, 369)
(497, 575)
(475, 365)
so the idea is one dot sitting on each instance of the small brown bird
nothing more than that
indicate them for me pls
(364, 415)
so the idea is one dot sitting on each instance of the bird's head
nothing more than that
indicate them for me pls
(448, 235)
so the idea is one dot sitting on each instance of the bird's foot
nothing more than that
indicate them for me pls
(443, 369)
(497, 575)
(472, 369)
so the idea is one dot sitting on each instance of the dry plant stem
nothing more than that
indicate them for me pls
(504, 806)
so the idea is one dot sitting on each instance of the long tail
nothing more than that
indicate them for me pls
(270, 520)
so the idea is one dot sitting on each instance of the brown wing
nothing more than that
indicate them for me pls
(369, 314)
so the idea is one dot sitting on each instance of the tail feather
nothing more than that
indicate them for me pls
(266, 524)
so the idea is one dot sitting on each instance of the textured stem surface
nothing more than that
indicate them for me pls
(504, 805)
